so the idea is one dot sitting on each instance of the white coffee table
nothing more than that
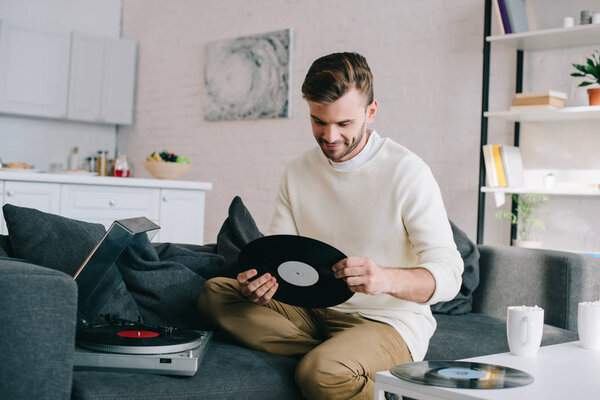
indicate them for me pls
(562, 371)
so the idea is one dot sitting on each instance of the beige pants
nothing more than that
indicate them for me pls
(341, 352)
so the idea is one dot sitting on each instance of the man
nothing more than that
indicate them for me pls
(367, 196)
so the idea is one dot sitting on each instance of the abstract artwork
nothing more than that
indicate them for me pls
(248, 77)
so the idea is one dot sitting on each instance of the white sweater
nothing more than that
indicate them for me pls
(388, 209)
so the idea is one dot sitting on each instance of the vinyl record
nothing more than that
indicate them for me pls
(462, 375)
(302, 267)
(137, 339)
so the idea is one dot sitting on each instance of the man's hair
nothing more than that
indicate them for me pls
(331, 76)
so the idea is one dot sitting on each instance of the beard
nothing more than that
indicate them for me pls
(350, 146)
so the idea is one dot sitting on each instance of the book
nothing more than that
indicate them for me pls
(517, 15)
(499, 166)
(490, 166)
(498, 15)
(513, 166)
(545, 93)
(543, 100)
(504, 16)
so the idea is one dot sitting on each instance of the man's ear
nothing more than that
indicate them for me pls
(371, 111)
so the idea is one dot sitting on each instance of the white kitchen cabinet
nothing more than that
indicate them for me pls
(41, 196)
(34, 70)
(102, 79)
(177, 206)
(182, 212)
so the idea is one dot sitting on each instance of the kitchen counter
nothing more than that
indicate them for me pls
(88, 179)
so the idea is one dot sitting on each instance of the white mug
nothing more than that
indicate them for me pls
(568, 22)
(524, 329)
(588, 324)
(596, 18)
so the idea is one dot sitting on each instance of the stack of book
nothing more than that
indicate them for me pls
(503, 166)
(539, 100)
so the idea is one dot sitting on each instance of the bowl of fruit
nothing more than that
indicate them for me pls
(167, 165)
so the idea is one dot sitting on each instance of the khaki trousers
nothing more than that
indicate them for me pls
(340, 352)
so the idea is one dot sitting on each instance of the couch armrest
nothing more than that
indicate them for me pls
(554, 280)
(38, 308)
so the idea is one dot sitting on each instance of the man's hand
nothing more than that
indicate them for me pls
(259, 290)
(362, 275)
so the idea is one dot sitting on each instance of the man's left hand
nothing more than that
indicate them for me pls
(362, 275)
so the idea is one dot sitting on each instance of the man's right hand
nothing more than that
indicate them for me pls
(259, 290)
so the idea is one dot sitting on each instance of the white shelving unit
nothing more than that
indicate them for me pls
(547, 39)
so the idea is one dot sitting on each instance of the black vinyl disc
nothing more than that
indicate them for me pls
(302, 267)
(462, 375)
(137, 339)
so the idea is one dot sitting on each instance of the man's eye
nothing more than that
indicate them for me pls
(343, 124)
(319, 122)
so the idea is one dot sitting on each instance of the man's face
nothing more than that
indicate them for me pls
(340, 127)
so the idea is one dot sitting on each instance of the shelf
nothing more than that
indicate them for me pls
(551, 114)
(581, 35)
(550, 192)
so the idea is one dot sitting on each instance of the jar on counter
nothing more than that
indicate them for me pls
(121, 166)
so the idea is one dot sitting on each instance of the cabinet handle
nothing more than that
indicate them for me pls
(9, 193)
(165, 199)
(112, 202)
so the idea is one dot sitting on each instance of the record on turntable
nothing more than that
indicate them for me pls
(462, 374)
(132, 338)
(302, 267)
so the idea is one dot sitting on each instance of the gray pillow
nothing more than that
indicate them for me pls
(463, 302)
(50, 240)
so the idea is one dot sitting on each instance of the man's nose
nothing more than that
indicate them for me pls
(330, 133)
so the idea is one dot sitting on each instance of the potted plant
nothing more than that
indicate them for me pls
(524, 219)
(591, 70)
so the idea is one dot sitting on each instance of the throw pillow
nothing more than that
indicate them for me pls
(463, 302)
(5, 246)
(238, 230)
(63, 244)
(50, 240)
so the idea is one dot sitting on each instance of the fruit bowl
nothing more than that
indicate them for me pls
(166, 170)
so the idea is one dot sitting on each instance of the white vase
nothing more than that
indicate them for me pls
(527, 244)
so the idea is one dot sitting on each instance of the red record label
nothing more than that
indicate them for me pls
(138, 334)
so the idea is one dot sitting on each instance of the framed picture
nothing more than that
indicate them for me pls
(248, 77)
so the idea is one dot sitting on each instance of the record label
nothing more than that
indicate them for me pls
(302, 267)
(462, 375)
(298, 273)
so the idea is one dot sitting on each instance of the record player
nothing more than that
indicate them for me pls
(116, 344)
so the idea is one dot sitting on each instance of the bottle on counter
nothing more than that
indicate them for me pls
(121, 166)
(74, 159)
(101, 166)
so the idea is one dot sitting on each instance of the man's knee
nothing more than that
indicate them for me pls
(321, 376)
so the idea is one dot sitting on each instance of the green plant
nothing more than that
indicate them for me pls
(523, 218)
(591, 68)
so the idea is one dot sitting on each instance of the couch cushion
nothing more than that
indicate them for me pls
(5, 246)
(226, 372)
(472, 335)
(463, 302)
(50, 240)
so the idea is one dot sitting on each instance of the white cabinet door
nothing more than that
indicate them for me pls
(119, 81)
(41, 196)
(34, 70)
(181, 216)
(85, 81)
(105, 204)
(102, 80)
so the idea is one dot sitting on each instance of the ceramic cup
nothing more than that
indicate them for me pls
(568, 22)
(588, 324)
(596, 18)
(524, 328)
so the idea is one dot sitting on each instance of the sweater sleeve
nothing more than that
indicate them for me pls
(430, 234)
(283, 221)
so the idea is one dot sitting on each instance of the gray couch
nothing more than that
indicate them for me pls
(38, 311)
